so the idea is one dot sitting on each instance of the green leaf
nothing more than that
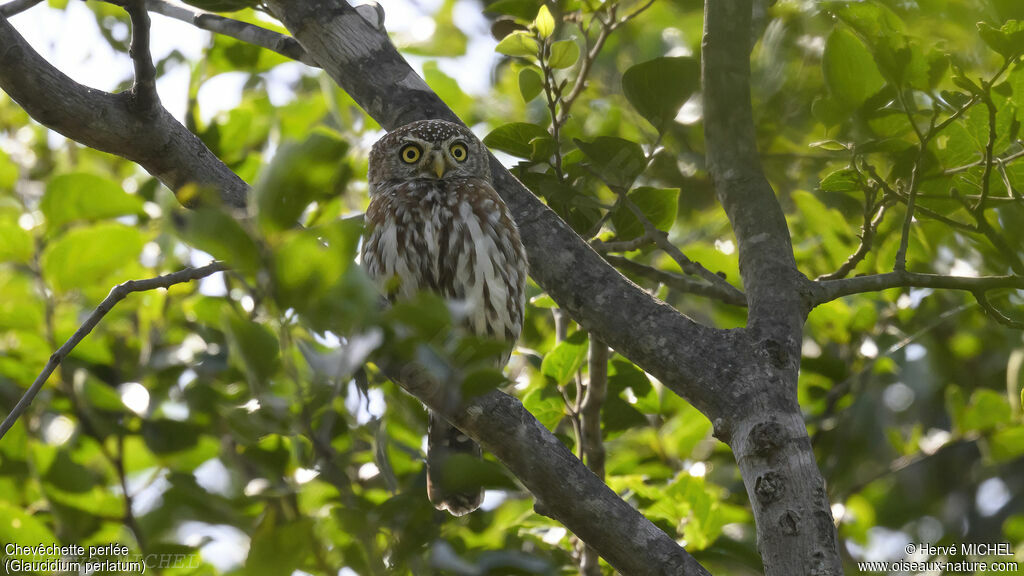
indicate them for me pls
(986, 410)
(448, 89)
(842, 180)
(659, 205)
(15, 243)
(518, 43)
(530, 83)
(1007, 444)
(253, 346)
(543, 301)
(447, 40)
(87, 257)
(521, 9)
(298, 174)
(850, 72)
(82, 196)
(561, 364)
(217, 233)
(1007, 40)
(20, 527)
(618, 161)
(659, 88)
(279, 548)
(515, 138)
(545, 23)
(564, 54)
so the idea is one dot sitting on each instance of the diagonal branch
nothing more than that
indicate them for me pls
(117, 294)
(678, 282)
(17, 7)
(108, 122)
(248, 33)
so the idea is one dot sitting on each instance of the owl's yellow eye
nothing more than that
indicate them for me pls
(458, 152)
(411, 153)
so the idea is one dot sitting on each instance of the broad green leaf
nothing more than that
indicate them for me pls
(20, 527)
(83, 196)
(447, 40)
(1007, 40)
(518, 43)
(448, 89)
(524, 10)
(530, 83)
(253, 346)
(515, 138)
(842, 180)
(545, 23)
(1007, 444)
(15, 243)
(564, 54)
(278, 547)
(659, 205)
(543, 301)
(85, 257)
(545, 405)
(618, 161)
(299, 173)
(215, 232)
(561, 364)
(659, 88)
(8, 172)
(849, 70)
(986, 410)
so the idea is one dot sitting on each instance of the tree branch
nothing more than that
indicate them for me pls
(117, 294)
(766, 431)
(677, 282)
(828, 290)
(108, 122)
(17, 7)
(243, 31)
(144, 87)
(767, 264)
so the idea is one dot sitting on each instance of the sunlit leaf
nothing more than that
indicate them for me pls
(83, 196)
(659, 87)
(88, 256)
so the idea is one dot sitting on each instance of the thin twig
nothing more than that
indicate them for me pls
(678, 282)
(964, 168)
(17, 7)
(590, 425)
(874, 213)
(117, 294)
(982, 297)
(923, 138)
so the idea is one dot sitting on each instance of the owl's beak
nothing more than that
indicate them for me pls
(439, 165)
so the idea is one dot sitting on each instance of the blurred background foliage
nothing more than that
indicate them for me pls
(223, 417)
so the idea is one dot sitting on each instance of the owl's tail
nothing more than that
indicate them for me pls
(446, 487)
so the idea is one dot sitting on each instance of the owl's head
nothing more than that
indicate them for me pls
(428, 149)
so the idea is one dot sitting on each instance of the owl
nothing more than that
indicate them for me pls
(435, 223)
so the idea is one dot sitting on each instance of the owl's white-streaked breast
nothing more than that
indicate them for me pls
(455, 238)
